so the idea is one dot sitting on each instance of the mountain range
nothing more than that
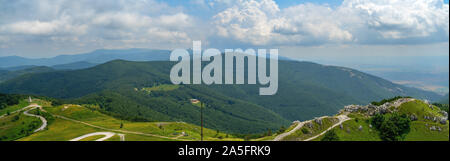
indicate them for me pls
(138, 91)
(95, 57)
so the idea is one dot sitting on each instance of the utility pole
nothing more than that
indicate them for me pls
(201, 118)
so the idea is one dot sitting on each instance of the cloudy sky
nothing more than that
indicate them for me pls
(299, 28)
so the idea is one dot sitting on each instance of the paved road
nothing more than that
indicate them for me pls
(29, 106)
(298, 127)
(122, 137)
(106, 134)
(115, 130)
(44, 121)
(342, 119)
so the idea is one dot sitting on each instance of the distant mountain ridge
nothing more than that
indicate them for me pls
(23, 70)
(95, 57)
(74, 66)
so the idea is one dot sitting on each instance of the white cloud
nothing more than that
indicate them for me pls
(399, 19)
(95, 21)
(36, 27)
(355, 21)
(155, 24)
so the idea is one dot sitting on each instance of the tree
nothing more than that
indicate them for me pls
(330, 136)
(121, 125)
(305, 131)
(269, 132)
(377, 121)
(282, 129)
(395, 127)
(56, 102)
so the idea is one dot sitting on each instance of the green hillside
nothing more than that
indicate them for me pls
(362, 128)
(11, 74)
(68, 121)
(80, 120)
(305, 90)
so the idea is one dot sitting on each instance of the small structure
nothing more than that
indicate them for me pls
(29, 99)
(195, 101)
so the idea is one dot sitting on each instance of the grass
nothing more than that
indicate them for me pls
(17, 125)
(351, 132)
(163, 87)
(133, 137)
(116, 138)
(266, 138)
(420, 109)
(419, 129)
(61, 130)
(93, 138)
(291, 127)
(421, 132)
(168, 129)
(306, 132)
(22, 104)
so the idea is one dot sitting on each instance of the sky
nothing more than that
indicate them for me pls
(301, 29)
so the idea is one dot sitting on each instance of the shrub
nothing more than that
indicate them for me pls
(330, 136)
(305, 131)
(395, 127)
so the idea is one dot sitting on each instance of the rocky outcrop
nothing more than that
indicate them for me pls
(373, 110)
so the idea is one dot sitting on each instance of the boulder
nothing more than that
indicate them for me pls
(360, 128)
(433, 128)
(443, 121)
(341, 126)
(318, 121)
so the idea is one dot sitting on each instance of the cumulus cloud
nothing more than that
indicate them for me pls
(400, 19)
(155, 24)
(261, 22)
(95, 21)
(36, 27)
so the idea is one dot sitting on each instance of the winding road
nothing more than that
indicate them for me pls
(298, 127)
(31, 107)
(44, 121)
(106, 134)
(342, 119)
(115, 130)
